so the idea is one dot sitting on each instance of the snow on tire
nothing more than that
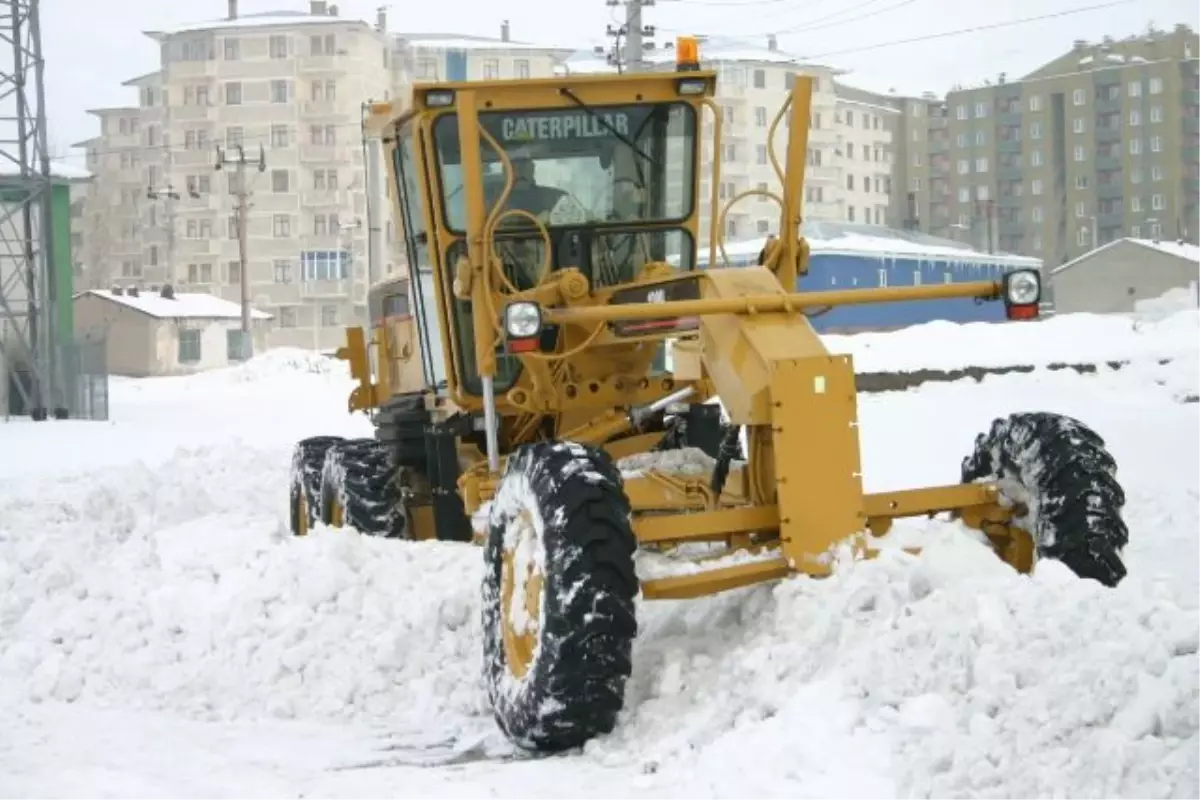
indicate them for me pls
(304, 497)
(357, 477)
(558, 596)
(1060, 470)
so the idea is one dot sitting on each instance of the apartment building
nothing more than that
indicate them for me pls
(1098, 144)
(866, 126)
(285, 91)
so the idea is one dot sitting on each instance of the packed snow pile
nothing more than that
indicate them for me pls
(285, 361)
(1169, 302)
(1066, 339)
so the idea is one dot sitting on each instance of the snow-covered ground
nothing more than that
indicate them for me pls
(161, 635)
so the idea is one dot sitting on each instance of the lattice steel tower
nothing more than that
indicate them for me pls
(29, 328)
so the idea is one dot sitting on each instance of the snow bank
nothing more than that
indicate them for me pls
(178, 588)
(172, 587)
(1066, 338)
(1169, 302)
(286, 361)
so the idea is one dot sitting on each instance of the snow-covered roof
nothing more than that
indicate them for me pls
(58, 169)
(1181, 249)
(185, 305)
(263, 20)
(871, 241)
(713, 50)
(458, 41)
(155, 76)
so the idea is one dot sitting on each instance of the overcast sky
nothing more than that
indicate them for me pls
(91, 46)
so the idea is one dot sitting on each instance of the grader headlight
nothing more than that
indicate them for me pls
(522, 326)
(1022, 293)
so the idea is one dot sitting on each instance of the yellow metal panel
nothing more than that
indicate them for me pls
(705, 525)
(739, 349)
(817, 464)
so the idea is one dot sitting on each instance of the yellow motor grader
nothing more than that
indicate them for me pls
(520, 399)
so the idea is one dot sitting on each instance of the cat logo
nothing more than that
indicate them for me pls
(656, 296)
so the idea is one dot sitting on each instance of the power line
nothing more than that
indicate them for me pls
(824, 22)
(976, 29)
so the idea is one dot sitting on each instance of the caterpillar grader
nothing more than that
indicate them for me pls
(521, 400)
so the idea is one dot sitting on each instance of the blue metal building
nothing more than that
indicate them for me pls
(847, 256)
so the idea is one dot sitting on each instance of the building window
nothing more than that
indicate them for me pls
(1036, 214)
(237, 345)
(964, 195)
(279, 136)
(233, 272)
(232, 50)
(1158, 202)
(233, 94)
(287, 317)
(1080, 210)
(762, 226)
(760, 153)
(1135, 146)
(1135, 117)
(1156, 86)
(1079, 97)
(982, 192)
(981, 165)
(964, 166)
(980, 137)
(279, 91)
(322, 45)
(1135, 89)
(1080, 153)
(1079, 125)
(282, 270)
(279, 180)
(1081, 237)
(1035, 158)
(760, 79)
(1156, 173)
(1081, 182)
(325, 265)
(521, 68)
(981, 110)
(961, 112)
(1135, 204)
(1035, 130)
(491, 69)
(1156, 114)
(1155, 144)
(281, 225)
(1035, 102)
(234, 136)
(760, 117)
(189, 347)
(279, 47)
(1135, 175)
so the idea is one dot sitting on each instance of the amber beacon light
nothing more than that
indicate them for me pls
(687, 53)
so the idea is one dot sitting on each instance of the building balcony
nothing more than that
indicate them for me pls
(205, 156)
(1110, 191)
(1191, 97)
(1008, 117)
(323, 64)
(315, 198)
(1009, 201)
(1107, 162)
(939, 145)
(1008, 173)
(1108, 134)
(1191, 124)
(193, 113)
(1008, 145)
(1104, 105)
(1112, 218)
(821, 174)
(319, 108)
(177, 70)
(320, 153)
(325, 289)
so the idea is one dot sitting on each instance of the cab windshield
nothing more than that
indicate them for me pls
(584, 166)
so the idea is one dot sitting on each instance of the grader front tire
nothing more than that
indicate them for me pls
(558, 597)
(1060, 470)
(359, 490)
(304, 497)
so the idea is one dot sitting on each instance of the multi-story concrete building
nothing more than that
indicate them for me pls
(867, 125)
(284, 90)
(1098, 144)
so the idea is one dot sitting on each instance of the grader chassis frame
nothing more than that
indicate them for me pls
(563, 521)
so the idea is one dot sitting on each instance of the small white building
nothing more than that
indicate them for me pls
(165, 332)
(1114, 278)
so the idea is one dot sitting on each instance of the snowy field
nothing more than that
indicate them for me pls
(162, 635)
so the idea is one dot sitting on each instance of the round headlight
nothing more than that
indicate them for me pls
(1023, 288)
(522, 320)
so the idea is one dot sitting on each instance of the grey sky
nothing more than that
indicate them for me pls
(91, 46)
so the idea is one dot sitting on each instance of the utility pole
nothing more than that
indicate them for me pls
(632, 55)
(241, 191)
(170, 198)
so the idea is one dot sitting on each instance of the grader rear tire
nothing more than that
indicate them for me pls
(304, 497)
(359, 490)
(558, 597)
(1059, 469)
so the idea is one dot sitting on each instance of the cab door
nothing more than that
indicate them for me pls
(406, 373)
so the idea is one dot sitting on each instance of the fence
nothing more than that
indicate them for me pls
(82, 367)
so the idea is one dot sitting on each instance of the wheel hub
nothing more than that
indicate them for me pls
(521, 586)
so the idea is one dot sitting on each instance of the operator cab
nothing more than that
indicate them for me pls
(613, 182)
